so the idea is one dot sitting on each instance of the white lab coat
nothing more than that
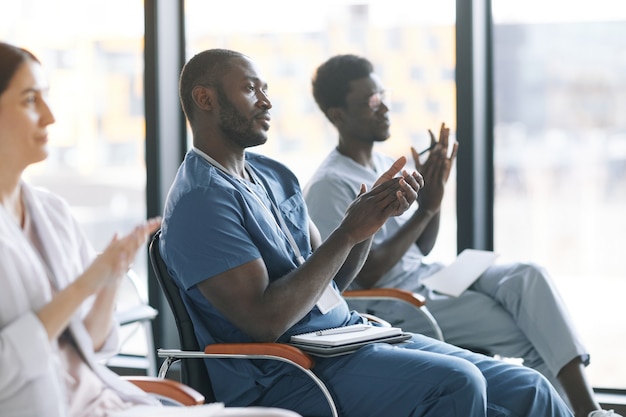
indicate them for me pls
(30, 383)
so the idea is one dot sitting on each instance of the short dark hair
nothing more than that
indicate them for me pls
(11, 57)
(205, 68)
(331, 81)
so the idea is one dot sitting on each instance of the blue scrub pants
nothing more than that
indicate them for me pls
(513, 310)
(423, 377)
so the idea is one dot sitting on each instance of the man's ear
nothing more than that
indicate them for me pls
(335, 115)
(203, 97)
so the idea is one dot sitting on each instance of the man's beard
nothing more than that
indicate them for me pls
(236, 126)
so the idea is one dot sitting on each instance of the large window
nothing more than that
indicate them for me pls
(560, 146)
(410, 43)
(94, 63)
(560, 134)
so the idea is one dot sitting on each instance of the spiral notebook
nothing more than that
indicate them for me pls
(345, 335)
(344, 340)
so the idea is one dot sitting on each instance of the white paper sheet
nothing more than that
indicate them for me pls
(460, 274)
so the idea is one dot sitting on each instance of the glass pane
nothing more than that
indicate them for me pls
(94, 61)
(410, 43)
(560, 91)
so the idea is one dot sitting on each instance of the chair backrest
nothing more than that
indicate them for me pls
(193, 371)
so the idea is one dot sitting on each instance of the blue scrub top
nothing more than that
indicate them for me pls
(214, 222)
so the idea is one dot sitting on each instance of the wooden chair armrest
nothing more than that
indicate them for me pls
(271, 351)
(282, 350)
(390, 293)
(167, 388)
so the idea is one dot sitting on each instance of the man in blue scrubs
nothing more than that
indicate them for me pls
(238, 240)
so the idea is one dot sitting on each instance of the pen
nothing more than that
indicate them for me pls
(340, 330)
(426, 150)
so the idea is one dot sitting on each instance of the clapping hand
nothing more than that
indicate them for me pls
(436, 169)
(113, 263)
(409, 184)
(390, 195)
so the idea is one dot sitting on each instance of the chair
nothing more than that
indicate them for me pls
(197, 376)
(415, 300)
(135, 314)
(395, 295)
(169, 390)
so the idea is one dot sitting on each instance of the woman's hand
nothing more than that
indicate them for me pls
(113, 263)
(104, 276)
(101, 278)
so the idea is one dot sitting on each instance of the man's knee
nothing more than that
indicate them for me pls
(527, 276)
(462, 393)
(465, 384)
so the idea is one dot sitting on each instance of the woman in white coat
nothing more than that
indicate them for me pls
(56, 297)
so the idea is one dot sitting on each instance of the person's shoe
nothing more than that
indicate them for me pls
(604, 413)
